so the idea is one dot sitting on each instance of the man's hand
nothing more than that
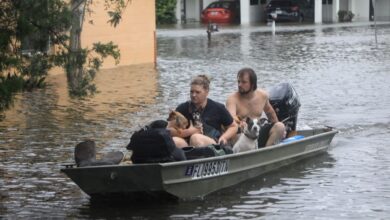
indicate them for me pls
(239, 122)
(242, 124)
(222, 140)
(198, 129)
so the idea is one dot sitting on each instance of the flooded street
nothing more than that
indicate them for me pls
(342, 78)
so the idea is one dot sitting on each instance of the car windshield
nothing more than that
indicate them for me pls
(225, 5)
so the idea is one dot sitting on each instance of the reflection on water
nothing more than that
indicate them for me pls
(339, 73)
(122, 89)
(40, 131)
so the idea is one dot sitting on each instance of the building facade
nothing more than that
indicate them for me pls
(135, 35)
(317, 11)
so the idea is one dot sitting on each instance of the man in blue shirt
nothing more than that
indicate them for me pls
(210, 122)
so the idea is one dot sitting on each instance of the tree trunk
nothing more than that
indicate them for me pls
(74, 70)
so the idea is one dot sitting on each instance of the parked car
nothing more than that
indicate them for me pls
(221, 12)
(283, 10)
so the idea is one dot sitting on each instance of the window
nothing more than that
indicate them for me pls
(254, 2)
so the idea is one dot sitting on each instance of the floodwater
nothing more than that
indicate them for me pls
(340, 74)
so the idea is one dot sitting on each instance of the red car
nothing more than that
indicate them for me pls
(221, 12)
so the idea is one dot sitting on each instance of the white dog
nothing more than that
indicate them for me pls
(248, 139)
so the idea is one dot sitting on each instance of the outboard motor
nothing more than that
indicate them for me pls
(285, 102)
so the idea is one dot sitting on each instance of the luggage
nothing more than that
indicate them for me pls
(154, 145)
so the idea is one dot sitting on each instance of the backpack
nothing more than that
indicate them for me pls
(154, 145)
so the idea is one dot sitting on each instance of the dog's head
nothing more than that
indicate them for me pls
(178, 120)
(252, 128)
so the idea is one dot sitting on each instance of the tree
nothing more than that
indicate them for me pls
(165, 11)
(79, 74)
(30, 29)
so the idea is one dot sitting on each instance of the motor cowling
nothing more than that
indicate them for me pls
(285, 101)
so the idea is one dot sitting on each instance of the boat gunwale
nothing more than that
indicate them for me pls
(260, 164)
(216, 158)
(269, 148)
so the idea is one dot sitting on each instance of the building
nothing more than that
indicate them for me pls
(317, 11)
(135, 35)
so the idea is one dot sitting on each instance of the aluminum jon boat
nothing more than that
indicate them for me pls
(195, 178)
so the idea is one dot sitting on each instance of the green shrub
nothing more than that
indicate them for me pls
(165, 11)
(345, 16)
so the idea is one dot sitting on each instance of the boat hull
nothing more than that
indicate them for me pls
(196, 178)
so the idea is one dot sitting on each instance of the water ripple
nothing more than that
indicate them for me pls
(341, 77)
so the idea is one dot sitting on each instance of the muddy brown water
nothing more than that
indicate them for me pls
(340, 74)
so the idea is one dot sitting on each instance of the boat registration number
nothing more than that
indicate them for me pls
(212, 168)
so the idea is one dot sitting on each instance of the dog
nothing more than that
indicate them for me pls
(177, 121)
(248, 139)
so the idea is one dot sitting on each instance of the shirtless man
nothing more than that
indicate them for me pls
(249, 101)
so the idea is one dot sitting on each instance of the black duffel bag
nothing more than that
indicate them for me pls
(154, 145)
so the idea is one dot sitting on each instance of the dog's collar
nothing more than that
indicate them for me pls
(250, 136)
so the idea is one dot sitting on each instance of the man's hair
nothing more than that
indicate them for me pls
(201, 80)
(252, 76)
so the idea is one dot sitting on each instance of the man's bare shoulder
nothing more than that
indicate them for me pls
(234, 96)
(261, 93)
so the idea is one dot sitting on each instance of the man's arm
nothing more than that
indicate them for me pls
(183, 133)
(229, 133)
(231, 106)
(270, 112)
